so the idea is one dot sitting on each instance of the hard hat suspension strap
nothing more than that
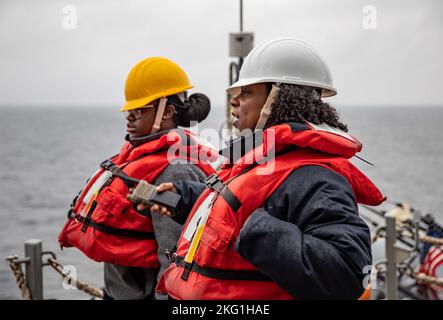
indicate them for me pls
(266, 110)
(159, 115)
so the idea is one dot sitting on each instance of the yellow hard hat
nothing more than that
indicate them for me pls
(153, 78)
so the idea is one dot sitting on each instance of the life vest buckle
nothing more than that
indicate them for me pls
(71, 213)
(107, 165)
(171, 255)
(214, 182)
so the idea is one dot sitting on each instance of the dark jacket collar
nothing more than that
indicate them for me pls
(135, 142)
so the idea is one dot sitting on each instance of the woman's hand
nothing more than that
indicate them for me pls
(155, 208)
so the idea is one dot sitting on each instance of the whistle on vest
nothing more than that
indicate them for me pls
(145, 193)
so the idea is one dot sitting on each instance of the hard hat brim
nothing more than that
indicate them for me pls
(138, 103)
(327, 91)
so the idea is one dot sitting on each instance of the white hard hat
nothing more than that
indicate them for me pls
(285, 61)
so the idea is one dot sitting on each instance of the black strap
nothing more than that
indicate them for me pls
(114, 231)
(252, 166)
(298, 126)
(87, 220)
(71, 207)
(231, 199)
(221, 274)
(118, 172)
(215, 183)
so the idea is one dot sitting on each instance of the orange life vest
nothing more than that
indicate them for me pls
(103, 224)
(217, 271)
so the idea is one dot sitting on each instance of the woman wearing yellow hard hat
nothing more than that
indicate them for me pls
(102, 222)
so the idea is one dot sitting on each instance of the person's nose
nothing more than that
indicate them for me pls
(234, 101)
(129, 116)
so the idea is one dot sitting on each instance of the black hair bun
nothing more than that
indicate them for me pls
(197, 108)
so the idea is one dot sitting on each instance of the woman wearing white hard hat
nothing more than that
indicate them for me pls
(280, 219)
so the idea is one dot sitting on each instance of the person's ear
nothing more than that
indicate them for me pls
(169, 112)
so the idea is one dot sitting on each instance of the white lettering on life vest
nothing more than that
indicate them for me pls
(200, 215)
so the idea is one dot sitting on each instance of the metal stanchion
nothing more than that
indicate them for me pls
(34, 268)
(391, 265)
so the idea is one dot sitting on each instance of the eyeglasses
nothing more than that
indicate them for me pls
(234, 93)
(239, 92)
(137, 113)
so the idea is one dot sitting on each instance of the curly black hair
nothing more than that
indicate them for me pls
(298, 104)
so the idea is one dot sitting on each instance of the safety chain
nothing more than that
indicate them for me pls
(381, 233)
(425, 239)
(424, 278)
(20, 278)
(78, 284)
(418, 276)
(432, 240)
(421, 277)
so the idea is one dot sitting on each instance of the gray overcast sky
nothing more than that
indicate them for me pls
(399, 63)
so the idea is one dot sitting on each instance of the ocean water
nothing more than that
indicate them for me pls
(48, 153)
